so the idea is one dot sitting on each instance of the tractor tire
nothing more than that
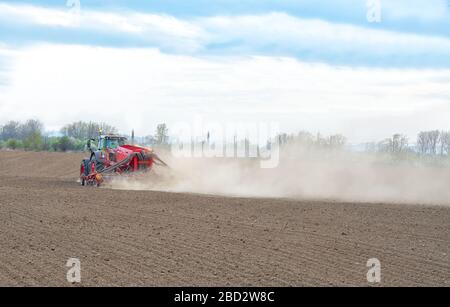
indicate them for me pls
(86, 166)
(98, 165)
(84, 170)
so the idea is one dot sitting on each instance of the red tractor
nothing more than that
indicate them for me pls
(112, 156)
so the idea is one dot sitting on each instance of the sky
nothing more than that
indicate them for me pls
(366, 69)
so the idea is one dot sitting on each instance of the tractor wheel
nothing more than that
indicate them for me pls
(84, 171)
(86, 166)
(82, 181)
(97, 165)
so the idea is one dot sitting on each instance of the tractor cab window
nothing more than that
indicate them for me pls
(110, 143)
(114, 143)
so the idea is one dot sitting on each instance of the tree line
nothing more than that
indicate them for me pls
(27, 135)
(428, 143)
(434, 142)
(30, 135)
(308, 140)
(87, 130)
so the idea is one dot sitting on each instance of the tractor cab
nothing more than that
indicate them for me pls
(106, 142)
(110, 142)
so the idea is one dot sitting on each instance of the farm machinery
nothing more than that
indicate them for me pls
(113, 156)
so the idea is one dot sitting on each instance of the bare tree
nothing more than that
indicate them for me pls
(397, 144)
(428, 141)
(10, 131)
(104, 128)
(433, 139)
(422, 142)
(444, 143)
(162, 134)
(87, 130)
(31, 128)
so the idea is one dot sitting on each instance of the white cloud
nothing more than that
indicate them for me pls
(6, 57)
(138, 88)
(36, 15)
(270, 33)
(325, 37)
(163, 30)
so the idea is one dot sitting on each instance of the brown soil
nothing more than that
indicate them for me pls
(169, 239)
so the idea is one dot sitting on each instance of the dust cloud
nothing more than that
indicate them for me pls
(343, 176)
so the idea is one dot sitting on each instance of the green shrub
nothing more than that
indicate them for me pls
(79, 145)
(14, 144)
(64, 143)
(54, 144)
(46, 143)
(33, 142)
